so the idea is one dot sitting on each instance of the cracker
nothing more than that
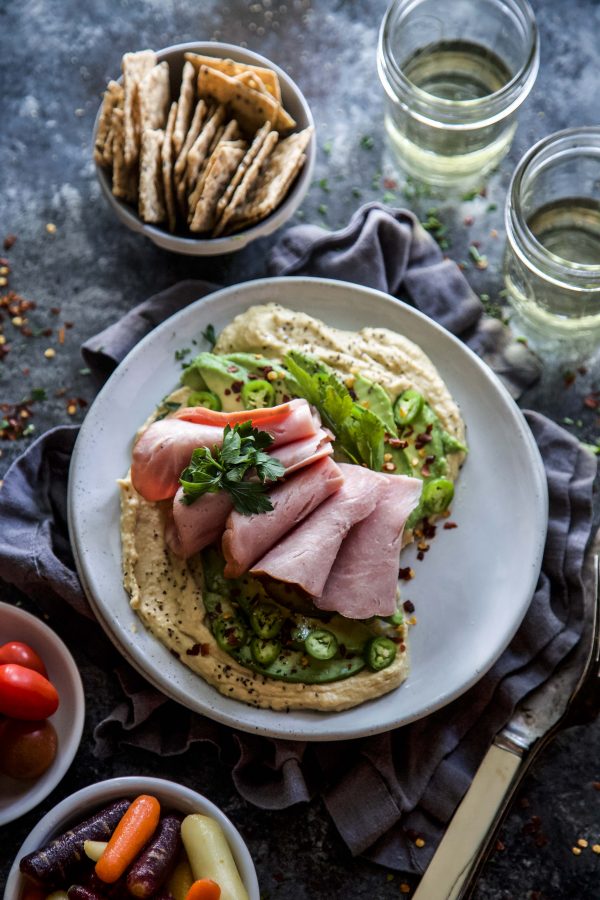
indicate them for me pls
(151, 205)
(225, 133)
(155, 93)
(167, 153)
(275, 179)
(252, 80)
(124, 182)
(185, 106)
(223, 164)
(229, 67)
(247, 182)
(251, 108)
(113, 97)
(257, 142)
(198, 152)
(134, 67)
(200, 114)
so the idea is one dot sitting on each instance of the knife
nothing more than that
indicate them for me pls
(567, 698)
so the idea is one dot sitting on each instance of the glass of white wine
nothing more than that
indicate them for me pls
(455, 73)
(552, 258)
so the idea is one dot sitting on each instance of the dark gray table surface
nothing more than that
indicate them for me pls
(55, 59)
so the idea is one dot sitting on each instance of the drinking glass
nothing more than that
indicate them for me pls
(455, 73)
(552, 257)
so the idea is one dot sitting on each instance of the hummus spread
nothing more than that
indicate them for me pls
(167, 592)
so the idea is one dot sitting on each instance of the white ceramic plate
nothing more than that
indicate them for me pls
(174, 796)
(471, 591)
(18, 797)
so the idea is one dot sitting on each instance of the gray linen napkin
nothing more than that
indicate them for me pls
(402, 790)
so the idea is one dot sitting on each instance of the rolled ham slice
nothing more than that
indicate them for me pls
(305, 556)
(162, 453)
(247, 538)
(194, 527)
(166, 446)
(285, 423)
(364, 577)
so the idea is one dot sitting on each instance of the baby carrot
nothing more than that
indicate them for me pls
(135, 828)
(204, 889)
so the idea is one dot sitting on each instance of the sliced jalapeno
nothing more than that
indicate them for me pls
(258, 393)
(380, 652)
(321, 644)
(208, 399)
(230, 633)
(437, 496)
(264, 652)
(266, 620)
(407, 407)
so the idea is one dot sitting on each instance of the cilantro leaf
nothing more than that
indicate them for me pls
(209, 335)
(227, 468)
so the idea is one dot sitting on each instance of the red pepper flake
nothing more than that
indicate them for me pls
(9, 241)
(420, 555)
(596, 785)
(408, 606)
(429, 529)
(61, 335)
(82, 402)
(237, 386)
(468, 220)
(55, 310)
(69, 325)
(591, 401)
(397, 442)
(47, 332)
(448, 526)
(569, 378)
(500, 846)
(204, 649)
(232, 368)
(581, 369)
(60, 392)
(406, 574)
(389, 184)
(532, 826)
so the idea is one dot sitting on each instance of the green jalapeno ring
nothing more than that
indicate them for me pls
(437, 496)
(380, 653)
(321, 644)
(266, 620)
(264, 651)
(257, 394)
(208, 399)
(230, 633)
(407, 407)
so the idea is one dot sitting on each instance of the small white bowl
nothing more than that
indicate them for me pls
(294, 102)
(85, 802)
(18, 797)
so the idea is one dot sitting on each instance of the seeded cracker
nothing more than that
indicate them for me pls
(167, 168)
(244, 187)
(257, 142)
(113, 97)
(134, 66)
(198, 152)
(252, 80)
(155, 93)
(224, 163)
(229, 132)
(200, 114)
(151, 204)
(249, 107)
(229, 67)
(124, 183)
(185, 106)
(274, 181)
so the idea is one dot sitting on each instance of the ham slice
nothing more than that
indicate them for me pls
(247, 538)
(305, 556)
(364, 577)
(305, 451)
(285, 423)
(162, 453)
(194, 527)
(165, 448)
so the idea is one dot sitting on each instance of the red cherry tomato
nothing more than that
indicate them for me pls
(22, 655)
(25, 694)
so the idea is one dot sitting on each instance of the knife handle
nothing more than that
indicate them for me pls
(459, 852)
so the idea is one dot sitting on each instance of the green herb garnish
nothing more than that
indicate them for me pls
(367, 142)
(323, 184)
(209, 335)
(224, 469)
(182, 353)
(359, 433)
(38, 394)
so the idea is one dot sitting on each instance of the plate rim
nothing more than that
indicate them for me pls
(68, 749)
(328, 731)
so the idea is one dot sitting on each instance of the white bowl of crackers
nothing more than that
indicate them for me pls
(203, 147)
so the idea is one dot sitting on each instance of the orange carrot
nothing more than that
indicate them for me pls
(135, 828)
(204, 889)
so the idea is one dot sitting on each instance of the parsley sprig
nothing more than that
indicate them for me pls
(225, 469)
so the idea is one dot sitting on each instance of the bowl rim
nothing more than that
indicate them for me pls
(260, 229)
(102, 792)
(69, 743)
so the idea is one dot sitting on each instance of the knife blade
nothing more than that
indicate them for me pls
(454, 867)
